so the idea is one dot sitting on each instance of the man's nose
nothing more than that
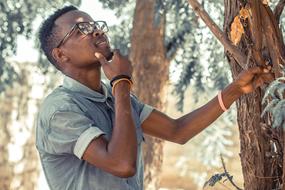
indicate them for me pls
(98, 33)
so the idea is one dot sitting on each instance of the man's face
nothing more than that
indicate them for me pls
(79, 47)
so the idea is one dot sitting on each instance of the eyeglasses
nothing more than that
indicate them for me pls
(85, 28)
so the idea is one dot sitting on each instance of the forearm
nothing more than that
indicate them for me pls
(182, 129)
(123, 143)
(193, 123)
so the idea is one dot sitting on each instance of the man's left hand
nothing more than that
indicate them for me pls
(247, 81)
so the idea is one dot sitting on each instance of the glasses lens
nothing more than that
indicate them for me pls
(100, 25)
(85, 28)
(89, 27)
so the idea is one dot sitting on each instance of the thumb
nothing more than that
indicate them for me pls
(101, 58)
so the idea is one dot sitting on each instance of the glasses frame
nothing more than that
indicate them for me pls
(76, 26)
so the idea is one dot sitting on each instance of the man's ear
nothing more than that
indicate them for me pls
(59, 55)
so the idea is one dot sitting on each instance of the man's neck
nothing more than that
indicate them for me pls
(91, 79)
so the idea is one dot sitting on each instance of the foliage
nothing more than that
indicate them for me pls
(120, 33)
(214, 179)
(218, 177)
(274, 99)
(117, 5)
(17, 19)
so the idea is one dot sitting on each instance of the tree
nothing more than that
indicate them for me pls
(256, 39)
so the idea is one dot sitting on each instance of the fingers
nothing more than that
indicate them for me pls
(100, 58)
(268, 78)
(116, 54)
(258, 82)
(268, 67)
(259, 70)
(263, 79)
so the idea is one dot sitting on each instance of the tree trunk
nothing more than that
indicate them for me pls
(261, 146)
(6, 174)
(151, 69)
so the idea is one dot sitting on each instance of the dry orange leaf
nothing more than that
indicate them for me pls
(244, 13)
(236, 30)
(265, 2)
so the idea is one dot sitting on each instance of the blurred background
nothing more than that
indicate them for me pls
(196, 70)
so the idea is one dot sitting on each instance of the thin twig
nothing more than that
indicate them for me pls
(227, 174)
(236, 53)
(249, 56)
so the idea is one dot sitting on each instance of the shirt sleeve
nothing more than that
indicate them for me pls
(144, 110)
(71, 132)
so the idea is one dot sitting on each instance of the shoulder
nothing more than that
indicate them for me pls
(56, 101)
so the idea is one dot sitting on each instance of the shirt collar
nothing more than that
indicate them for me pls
(85, 91)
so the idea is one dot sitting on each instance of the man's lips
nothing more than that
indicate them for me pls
(102, 42)
(98, 43)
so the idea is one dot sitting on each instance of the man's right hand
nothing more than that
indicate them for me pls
(119, 65)
(117, 155)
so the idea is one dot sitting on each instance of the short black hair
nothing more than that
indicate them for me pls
(48, 34)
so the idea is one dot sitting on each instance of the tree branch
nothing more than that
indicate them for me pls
(273, 39)
(279, 9)
(234, 51)
(256, 31)
(228, 176)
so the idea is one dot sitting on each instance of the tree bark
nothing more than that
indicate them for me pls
(150, 74)
(261, 146)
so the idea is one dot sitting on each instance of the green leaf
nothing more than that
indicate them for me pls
(278, 114)
(269, 107)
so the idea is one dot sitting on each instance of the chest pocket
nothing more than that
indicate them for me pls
(103, 114)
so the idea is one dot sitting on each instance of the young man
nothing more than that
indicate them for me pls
(89, 134)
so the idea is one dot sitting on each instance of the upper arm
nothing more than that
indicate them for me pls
(96, 151)
(97, 154)
(74, 133)
(160, 125)
(66, 132)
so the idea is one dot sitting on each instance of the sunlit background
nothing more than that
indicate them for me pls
(185, 167)
(26, 50)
